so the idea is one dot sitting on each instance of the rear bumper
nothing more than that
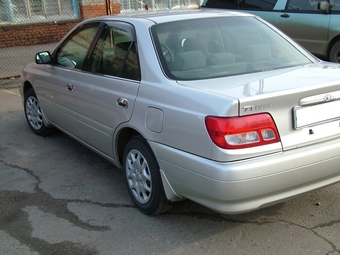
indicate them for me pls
(247, 185)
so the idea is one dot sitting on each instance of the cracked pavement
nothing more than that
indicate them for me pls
(58, 197)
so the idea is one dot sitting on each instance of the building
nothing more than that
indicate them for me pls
(30, 22)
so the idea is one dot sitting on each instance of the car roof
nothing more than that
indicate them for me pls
(170, 15)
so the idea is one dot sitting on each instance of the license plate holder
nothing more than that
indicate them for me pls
(315, 114)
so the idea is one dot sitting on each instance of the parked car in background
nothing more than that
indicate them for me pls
(313, 24)
(217, 107)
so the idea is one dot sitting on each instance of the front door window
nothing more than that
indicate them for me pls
(72, 54)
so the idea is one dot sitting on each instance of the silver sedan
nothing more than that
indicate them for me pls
(217, 107)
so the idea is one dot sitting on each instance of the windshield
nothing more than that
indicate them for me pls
(219, 47)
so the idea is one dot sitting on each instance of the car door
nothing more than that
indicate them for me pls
(57, 87)
(108, 88)
(334, 32)
(307, 25)
(268, 10)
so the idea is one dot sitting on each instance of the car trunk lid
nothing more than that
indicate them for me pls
(303, 101)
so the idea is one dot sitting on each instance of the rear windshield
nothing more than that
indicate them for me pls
(218, 47)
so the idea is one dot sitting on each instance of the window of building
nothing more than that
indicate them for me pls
(15, 11)
(133, 5)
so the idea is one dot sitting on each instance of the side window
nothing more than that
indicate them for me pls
(115, 55)
(229, 4)
(72, 54)
(302, 5)
(257, 4)
(241, 4)
(336, 5)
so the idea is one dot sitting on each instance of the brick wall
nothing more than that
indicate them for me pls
(42, 33)
(33, 34)
(91, 11)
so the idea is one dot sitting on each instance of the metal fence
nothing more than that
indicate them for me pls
(14, 13)
(19, 11)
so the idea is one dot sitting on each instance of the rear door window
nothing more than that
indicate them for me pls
(336, 6)
(241, 4)
(257, 4)
(302, 5)
(115, 54)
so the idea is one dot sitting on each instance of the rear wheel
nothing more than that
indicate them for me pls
(143, 178)
(334, 54)
(34, 114)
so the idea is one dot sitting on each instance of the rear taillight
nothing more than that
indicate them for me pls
(242, 132)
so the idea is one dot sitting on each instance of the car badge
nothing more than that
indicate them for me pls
(327, 97)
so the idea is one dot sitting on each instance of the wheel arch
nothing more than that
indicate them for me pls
(26, 86)
(331, 44)
(123, 136)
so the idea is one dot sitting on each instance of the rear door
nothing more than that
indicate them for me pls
(302, 21)
(268, 10)
(108, 88)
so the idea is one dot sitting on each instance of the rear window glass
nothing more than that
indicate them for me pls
(218, 47)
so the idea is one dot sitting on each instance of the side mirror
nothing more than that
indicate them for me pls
(43, 57)
(323, 6)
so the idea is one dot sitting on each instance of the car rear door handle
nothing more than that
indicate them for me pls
(70, 87)
(285, 15)
(123, 102)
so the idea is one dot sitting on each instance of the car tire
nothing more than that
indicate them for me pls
(34, 114)
(334, 54)
(143, 177)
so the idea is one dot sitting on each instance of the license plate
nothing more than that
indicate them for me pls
(311, 115)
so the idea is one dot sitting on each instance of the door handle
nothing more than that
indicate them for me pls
(123, 102)
(285, 15)
(70, 87)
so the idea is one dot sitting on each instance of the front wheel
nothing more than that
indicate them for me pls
(143, 178)
(334, 54)
(34, 114)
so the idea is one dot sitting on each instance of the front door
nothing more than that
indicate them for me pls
(57, 87)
